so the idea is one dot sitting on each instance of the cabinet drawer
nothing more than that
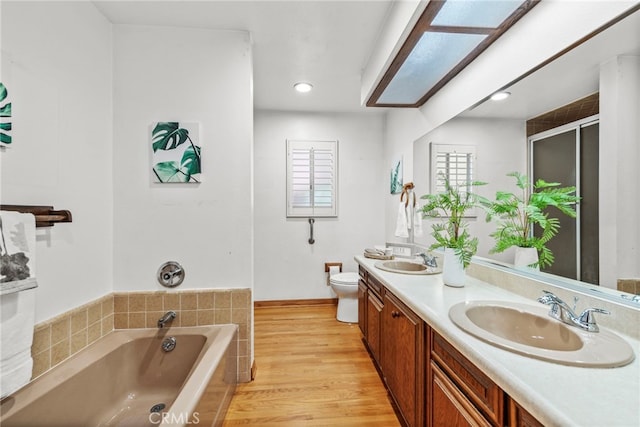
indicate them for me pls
(375, 286)
(518, 417)
(362, 272)
(478, 388)
(450, 407)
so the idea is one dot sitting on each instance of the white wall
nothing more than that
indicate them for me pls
(177, 74)
(619, 201)
(501, 148)
(56, 63)
(286, 265)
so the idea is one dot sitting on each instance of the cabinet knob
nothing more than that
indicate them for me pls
(395, 314)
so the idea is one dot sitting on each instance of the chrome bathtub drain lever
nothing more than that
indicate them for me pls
(169, 344)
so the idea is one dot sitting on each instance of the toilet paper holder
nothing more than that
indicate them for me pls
(328, 265)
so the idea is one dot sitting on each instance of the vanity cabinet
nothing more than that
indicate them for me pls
(370, 292)
(459, 390)
(431, 383)
(518, 417)
(402, 358)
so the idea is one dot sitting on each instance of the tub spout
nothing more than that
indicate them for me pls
(168, 317)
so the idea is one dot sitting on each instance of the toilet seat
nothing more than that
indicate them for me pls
(345, 279)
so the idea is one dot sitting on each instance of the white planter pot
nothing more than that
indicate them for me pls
(453, 273)
(524, 257)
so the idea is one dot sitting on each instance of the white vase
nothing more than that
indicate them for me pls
(524, 257)
(453, 273)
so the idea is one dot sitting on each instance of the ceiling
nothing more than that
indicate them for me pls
(572, 76)
(326, 43)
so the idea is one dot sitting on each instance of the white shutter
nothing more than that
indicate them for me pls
(456, 162)
(312, 178)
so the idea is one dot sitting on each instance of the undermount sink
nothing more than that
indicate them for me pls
(528, 330)
(406, 267)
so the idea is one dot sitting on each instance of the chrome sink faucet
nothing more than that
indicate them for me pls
(168, 317)
(429, 260)
(561, 311)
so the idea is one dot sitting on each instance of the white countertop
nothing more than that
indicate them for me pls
(556, 395)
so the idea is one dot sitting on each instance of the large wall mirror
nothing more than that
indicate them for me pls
(504, 143)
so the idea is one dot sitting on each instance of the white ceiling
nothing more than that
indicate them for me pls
(326, 43)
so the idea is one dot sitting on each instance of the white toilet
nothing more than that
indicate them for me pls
(345, 285)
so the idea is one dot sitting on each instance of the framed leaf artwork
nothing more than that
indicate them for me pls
(5, 116)
(177, 154)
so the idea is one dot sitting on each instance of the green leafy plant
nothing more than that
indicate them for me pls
(169, 136)
(5, 112)
(451, 205)
(518, 213)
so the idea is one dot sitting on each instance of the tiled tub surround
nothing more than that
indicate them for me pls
(61, 337)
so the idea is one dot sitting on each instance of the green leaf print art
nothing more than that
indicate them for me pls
(5, 115)
(176, 155)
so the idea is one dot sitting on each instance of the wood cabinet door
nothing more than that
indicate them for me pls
(362, 307)
(449, 406)
(401, 358)
(374, 314)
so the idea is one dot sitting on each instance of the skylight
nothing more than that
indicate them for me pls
(447, 37)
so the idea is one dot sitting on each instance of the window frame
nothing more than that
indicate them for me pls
(312, 210)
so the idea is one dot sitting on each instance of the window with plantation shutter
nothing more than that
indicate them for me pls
(312, 178)
(454, 162)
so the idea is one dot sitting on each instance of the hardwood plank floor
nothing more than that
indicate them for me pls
(311, 371)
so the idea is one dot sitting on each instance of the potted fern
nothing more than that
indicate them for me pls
(451, 233)
(518, 213)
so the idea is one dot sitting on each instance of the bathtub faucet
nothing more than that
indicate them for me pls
(168, 317)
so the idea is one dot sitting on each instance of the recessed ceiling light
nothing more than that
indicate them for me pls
(499, 96)
(303, 87)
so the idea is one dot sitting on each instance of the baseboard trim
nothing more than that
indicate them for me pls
(254, 370)
(295, 302)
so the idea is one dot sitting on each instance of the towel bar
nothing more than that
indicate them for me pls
(46, 216)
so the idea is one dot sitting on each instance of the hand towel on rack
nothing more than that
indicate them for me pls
(402, 225)
(417, 221)
(17, 299)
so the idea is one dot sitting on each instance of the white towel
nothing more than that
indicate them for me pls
(402, 226)
(417, 221)
(17, 302)
(14, 377)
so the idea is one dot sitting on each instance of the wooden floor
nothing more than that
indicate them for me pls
(311, 371)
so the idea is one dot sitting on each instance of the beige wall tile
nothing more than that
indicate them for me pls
(188, 318)
(78, 341)
(121, 303)
(152, 318)
(205, 317)
(222, 316)
(188, 301)
(205, 300)
(239, 315)
(153, 302)
(41, 363)
(121, 320)
(41, 339)
(223, 299)
(94, 313)
(137, 320)
(78, 321)
(94, 332)
(171, 301)
(107, 305)
(240, 298)
(243, 348)
(61, 329)
(137, 303)
(107, 324)
(59, 352)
